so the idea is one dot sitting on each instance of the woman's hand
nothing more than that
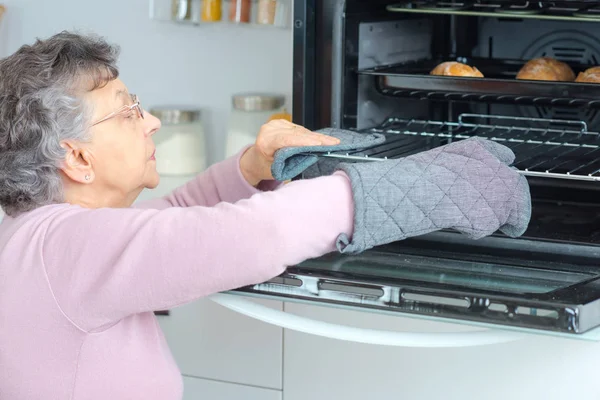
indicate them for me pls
(256, 162)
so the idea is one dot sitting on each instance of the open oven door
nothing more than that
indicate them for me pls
(546, 282)
(512, 285)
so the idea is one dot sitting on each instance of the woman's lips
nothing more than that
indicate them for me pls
(152, 156)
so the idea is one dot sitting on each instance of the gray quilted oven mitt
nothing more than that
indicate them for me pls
(467, 186)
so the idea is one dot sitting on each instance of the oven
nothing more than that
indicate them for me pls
(365, 65)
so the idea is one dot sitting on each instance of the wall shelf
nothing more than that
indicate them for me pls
(162, 11)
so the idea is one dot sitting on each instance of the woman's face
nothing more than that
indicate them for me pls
(121, 151)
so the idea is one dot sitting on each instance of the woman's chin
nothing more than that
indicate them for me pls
(152, 180)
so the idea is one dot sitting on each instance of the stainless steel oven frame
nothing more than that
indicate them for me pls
(548, 280)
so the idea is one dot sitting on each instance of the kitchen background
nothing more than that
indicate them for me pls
(224, 355)
(167, 63)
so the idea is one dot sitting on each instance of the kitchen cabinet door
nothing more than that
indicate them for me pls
(210, 341)
(539, 367)
(203, 389)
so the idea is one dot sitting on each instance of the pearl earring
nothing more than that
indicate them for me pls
(87, 177)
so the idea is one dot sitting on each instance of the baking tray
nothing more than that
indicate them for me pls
(499, 85)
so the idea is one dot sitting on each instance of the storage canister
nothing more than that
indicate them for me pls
(181, 10)
(211, 10)
(266, 12)
(180, 143)
(239, 11)
(250, 111)
(273, 12)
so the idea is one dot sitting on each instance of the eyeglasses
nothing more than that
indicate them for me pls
(124, 110)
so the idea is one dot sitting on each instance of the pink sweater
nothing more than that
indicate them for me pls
(78, 287)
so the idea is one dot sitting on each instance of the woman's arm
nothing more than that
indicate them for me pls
(235, 178)
(105, 264)
(221, 182)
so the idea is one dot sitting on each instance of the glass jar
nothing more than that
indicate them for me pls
(239, 11)
(273, 12)
(266, 12)
(250, 111)
(281, 115)
(180, 143)
(181, 10)
(211, 10)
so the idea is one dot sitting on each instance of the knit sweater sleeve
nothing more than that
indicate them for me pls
(222, 181)
(105, 264)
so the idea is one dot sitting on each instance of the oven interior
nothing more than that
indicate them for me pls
(382, 83)
(372, 73)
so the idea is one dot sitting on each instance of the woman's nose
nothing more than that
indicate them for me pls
(151, 124)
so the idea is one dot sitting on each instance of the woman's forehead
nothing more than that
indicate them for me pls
(111, 95)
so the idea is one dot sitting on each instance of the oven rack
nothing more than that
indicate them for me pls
(548, 10)
(572, 153)
(499, 85)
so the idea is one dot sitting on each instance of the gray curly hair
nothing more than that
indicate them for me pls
(41, 88)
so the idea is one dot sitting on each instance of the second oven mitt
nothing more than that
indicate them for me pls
(292, 161)
(467, 186)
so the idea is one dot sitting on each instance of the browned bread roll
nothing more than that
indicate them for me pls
(546, 69)
(590, 75)
(539, 73)
(453, 68)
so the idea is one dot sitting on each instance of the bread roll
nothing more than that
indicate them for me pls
(546, 69)
(590, 75)
(539, 73)
(453, 68)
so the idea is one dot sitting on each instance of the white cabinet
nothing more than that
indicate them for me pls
(536, 368)
(202, 389)
(210, 341)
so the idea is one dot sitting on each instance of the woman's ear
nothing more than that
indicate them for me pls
(77, 164)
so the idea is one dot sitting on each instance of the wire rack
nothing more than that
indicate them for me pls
(565, 149)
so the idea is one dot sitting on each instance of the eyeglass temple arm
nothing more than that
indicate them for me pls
(119, 111)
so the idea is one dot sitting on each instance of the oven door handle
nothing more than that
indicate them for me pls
(361, 335)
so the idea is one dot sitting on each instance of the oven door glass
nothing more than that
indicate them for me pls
(523, 283)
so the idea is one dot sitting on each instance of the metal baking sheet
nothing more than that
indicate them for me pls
(499, 83)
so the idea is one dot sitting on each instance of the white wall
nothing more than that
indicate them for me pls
(166, 63)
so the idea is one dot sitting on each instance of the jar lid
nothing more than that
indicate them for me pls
(175, 115)
(257, 101)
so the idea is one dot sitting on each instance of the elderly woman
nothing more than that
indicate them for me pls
(82, 270)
